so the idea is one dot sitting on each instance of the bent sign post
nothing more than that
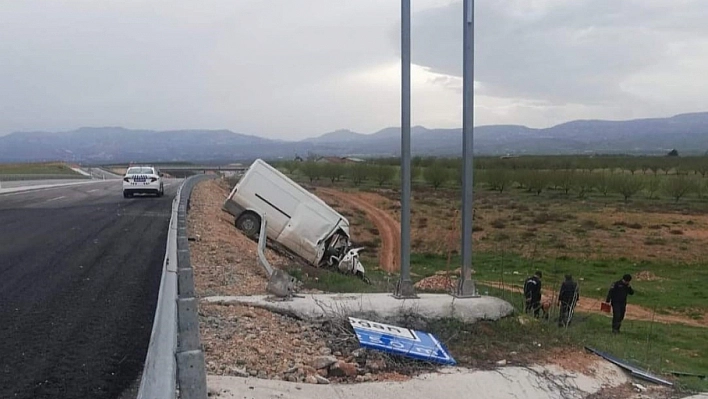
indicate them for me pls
(401, 341)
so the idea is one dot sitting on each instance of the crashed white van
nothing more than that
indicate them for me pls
(295, 218)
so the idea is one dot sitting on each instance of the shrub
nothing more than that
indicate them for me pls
(498, 224)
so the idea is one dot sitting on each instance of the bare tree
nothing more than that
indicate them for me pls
(678, 186)
(384, 174)
(626, 185)
(602, 183)
(359, 172)
(436, 174)
(312, 170)
(583, 183)
(652, 186)
(498, 179)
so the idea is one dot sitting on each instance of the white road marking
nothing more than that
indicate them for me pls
(54, 199)
(90, 191)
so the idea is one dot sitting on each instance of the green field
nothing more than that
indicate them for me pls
(677, 287)
(658, 348)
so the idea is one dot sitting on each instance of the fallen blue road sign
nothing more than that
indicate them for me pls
(401, 341)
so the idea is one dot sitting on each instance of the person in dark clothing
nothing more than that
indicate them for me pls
(567, 298)
(532, 294)
(617, 297)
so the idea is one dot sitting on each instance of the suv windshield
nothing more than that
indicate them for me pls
(138, 171)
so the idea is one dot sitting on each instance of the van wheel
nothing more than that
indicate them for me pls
(249, 223)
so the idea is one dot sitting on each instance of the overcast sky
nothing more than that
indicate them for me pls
(298, 68)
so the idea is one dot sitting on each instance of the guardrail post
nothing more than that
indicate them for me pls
(262, 238)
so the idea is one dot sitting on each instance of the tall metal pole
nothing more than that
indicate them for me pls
(404, 288)
(466, 286)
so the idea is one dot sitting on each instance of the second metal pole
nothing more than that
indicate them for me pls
(466, 286)
(404, 288)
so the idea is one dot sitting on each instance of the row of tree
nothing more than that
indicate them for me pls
(582, 183)
(631, 164)
(567, 181)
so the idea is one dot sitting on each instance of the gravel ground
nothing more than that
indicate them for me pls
(246, 341)
(224, 260)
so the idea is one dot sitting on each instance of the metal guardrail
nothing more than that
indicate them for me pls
(174, 365)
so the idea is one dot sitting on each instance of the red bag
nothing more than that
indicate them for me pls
(605, 307)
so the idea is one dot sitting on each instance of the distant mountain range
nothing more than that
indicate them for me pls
(688, 133)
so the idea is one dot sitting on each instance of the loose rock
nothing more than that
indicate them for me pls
(321, 380)
(321, 362)
(343, 369)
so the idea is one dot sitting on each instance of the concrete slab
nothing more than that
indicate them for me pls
(429, 306)
(504, 383)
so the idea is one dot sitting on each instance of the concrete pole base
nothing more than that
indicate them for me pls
(404, 290)
(466, 288)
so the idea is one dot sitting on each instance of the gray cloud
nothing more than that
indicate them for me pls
(293, 69)
(559, 51)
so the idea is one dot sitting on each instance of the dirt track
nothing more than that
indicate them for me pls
(388, 227)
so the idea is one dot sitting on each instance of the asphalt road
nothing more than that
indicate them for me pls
(80, 270)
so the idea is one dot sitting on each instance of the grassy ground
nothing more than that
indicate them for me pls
(671, 287)
(35, 168)
(657, 348)
(661, 285)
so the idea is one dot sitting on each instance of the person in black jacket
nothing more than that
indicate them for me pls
(567, 298)
(532, 294)
(617, 297)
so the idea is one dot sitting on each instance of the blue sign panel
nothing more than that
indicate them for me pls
(401, 341)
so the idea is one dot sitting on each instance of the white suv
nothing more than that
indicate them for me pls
(142, 180)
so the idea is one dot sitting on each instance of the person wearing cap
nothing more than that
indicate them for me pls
(532, 294)
(617, 297)
(567, 298)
